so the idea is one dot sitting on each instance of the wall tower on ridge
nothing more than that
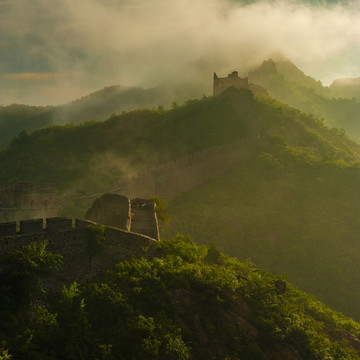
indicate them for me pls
(233, 80)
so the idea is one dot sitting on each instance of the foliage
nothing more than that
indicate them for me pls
(161, 211)
(22, 271)
(290, 203)
(180, 303)
(21, 292)
(4, 353)
(96, 239)
(289, 85)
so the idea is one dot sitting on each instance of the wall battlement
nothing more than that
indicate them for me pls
(35, 226)
(71, 241)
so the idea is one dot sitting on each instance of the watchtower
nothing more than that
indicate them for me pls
(233, 79)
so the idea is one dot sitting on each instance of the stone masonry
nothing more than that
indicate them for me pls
(233, 80)
(72, 243)
(136, 215)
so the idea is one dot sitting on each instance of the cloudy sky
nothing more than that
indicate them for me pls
(53, 51)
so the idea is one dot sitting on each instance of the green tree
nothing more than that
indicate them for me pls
(161, 211)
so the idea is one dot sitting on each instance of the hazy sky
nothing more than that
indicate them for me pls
(53, 51)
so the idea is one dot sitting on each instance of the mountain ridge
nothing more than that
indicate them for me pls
(296, 164)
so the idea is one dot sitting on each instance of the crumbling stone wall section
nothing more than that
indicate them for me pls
(143, 218)
(23, 200)
(72, 243)
(137, 215)
(233, 80)
(111, 209)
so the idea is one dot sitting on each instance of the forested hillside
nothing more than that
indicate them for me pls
(96, 106)
(290, 204)
(291, 86)
(179, 302)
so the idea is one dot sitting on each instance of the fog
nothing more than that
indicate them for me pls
(53, 51)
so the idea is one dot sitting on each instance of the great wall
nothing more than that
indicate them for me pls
(71, 238)
(129, 225)
(233, 80)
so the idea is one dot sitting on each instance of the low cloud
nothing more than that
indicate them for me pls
(144, 43)
(37, 76)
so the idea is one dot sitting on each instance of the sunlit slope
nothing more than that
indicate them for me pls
(291, 204)
(296, 218)
(66, 154)
(285, 82)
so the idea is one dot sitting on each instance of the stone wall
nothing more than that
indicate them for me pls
(24, 200)
(143, 218)
(72, 243)
(233, 80)
(136, 215)
(111, 209)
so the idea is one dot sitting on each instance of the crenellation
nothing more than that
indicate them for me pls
(58, 224)
(32, 226)
(72, 243)
(8, 229)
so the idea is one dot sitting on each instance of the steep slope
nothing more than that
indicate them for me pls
(288, 84)
(288, 196)
(179, 302)
(297, 218)
(346, 87)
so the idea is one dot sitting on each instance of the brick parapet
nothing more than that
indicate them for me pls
(68, 240)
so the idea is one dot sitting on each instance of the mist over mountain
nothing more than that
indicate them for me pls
(97, 106)
(57, 51)
(262, 179)
(286, 82)
(346, 87)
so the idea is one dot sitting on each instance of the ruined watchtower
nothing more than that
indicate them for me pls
(233, 80)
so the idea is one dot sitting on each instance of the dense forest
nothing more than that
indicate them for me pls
(290, 204)
(180, 301)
